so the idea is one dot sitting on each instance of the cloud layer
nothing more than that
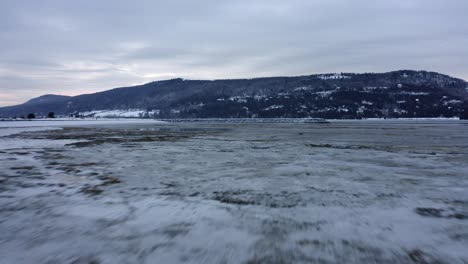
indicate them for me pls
(74, 47)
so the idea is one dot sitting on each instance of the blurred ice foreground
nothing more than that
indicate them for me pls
(344, 192)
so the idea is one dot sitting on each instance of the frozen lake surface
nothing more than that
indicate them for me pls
(342, 192)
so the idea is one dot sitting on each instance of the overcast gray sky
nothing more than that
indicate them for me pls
(75, 47)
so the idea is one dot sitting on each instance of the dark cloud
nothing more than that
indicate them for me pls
(72, 47)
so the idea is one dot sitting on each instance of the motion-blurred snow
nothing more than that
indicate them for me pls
(343, 192)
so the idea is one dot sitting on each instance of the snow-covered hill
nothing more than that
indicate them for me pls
(406, 94)
(127, 113)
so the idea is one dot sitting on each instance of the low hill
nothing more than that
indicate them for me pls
(402, 93)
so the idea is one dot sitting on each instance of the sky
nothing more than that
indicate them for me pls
(75, 47)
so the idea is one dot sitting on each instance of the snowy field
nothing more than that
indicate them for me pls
(153, 192)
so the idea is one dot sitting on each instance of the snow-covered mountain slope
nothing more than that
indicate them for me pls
(136, 113)
(342, 95)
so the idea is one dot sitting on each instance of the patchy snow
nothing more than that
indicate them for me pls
(260, 97)
(335, 76)
(423, 119)
(8, 128)
(271, 107)
(72, 122)
(303, 88)
(325, 93)
(11, 130)
(413, 93)
(120, 113)
(239, 99)
(361, 109)
(343, 109)
(344, 192)
(452, 102)
(373, 88)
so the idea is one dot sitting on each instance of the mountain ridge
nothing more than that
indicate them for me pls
(47, 98)
(403, 93)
